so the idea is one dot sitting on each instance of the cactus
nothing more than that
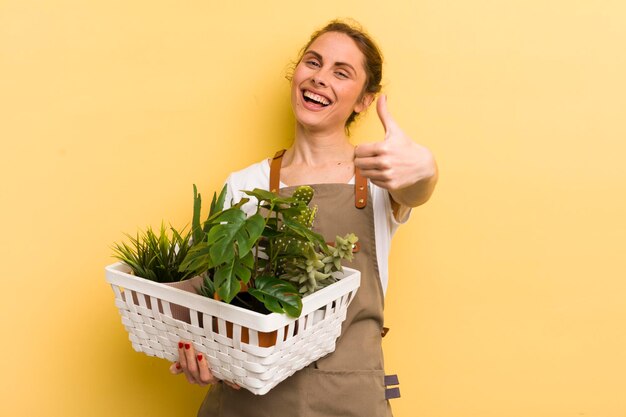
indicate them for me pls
(295, 244)
(303, 193)
(303, 196)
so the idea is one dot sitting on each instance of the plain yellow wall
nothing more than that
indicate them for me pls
(507, 294)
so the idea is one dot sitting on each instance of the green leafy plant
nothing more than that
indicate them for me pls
(273, 254)
(156, 256)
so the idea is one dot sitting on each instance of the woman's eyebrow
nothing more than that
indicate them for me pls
(319, 58)
(315, 54)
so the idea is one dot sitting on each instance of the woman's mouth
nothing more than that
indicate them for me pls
(315, 99)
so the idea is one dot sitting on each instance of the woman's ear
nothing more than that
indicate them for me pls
(364, 102)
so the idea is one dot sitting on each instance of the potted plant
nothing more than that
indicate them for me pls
(157, 256)
(266, 306)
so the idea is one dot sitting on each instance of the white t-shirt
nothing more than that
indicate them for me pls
(385, 223)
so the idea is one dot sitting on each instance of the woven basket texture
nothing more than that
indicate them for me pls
(227, 335)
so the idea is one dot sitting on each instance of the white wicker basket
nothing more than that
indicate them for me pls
(230, 341)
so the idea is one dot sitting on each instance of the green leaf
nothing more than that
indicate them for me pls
(261, 195)
(269, 197)
(221, 237)
(213, 219)
(235, 235)
(277, 295)
(304, 232)
(218, 204)
(198, 233)
(242, 272)
(198, 259)
(228, 277)
(227, 286)
(208, 288)
(254, 229)
(292, 211)
(248, 260)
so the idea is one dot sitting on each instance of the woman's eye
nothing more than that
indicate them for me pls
(313, 63)
(342, 74)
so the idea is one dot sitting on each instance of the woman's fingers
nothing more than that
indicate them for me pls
(187, 366)
(372, 163)
(367, 150)
(204, 373)
(194, 365)
(190, 360)
(176, 368)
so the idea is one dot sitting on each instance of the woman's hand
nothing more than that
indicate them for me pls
(407, 170)
(195, 367)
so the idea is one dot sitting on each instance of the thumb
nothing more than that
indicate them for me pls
(383, 114)
(176, 369)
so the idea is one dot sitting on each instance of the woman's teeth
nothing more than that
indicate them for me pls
(316, 98)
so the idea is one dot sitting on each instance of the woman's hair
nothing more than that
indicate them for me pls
(373, 57)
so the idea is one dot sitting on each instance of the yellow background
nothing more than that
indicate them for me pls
(507, 294)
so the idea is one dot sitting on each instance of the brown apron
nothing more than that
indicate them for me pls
(351, 380)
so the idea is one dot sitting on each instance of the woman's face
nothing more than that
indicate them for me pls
(328, 82)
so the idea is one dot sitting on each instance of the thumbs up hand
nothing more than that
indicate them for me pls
(407, 170)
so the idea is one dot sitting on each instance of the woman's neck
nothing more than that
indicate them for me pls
(319, 148)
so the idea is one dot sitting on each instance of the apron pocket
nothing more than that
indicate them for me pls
(345, 393)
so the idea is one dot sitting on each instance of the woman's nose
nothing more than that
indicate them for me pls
(318, 79)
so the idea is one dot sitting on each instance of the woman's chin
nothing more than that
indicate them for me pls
(313, 125)
(316, 122)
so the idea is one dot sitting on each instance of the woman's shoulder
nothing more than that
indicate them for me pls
(250, 177)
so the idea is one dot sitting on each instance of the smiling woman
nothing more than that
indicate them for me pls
(367, 190)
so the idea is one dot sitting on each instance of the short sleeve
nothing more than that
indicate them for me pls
(385, 225)
(254, 176)
(404, 212)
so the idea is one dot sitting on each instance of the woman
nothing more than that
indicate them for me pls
(368, 190)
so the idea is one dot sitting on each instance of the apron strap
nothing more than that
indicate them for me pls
(360, 189)
(275, 171)
(360, 182)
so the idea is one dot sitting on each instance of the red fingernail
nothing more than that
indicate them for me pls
(199, 357)
(178, 365)
(187, 346)
(180, 345)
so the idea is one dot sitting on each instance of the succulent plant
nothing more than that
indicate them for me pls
(314, 273)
